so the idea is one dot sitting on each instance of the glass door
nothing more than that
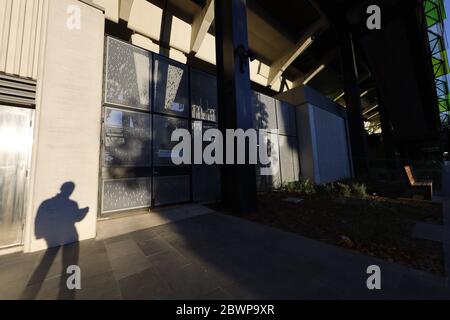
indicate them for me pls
(15, 146)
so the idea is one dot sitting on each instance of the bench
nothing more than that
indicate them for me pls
(425, 186)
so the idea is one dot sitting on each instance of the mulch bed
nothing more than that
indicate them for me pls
(376, 226)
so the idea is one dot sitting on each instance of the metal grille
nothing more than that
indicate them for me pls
(17, 91)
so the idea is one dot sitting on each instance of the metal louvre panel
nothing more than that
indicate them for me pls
(14, 90)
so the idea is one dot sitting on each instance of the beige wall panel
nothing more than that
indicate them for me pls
(111, 9)
(180, 35)
(207, 50)
(67, 134)
(264, 39)
(145, 18)
(125, 9)
(144, 43)
(256, 74)
(177, 56)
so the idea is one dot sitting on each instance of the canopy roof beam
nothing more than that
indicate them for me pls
(282, 63)
(201, 24)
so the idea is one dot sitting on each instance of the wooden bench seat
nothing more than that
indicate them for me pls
(425, 186)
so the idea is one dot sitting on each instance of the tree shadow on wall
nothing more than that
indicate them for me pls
(262, 123)
(55, 223)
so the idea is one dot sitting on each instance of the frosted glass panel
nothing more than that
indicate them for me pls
(121, 194)
(163, 146)
(128, 71)
(171, 88)
(127, 141)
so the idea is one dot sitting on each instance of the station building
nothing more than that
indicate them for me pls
(91, 91)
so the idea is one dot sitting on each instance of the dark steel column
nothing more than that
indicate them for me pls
(354, 107)
(392, 161)
(235, 110)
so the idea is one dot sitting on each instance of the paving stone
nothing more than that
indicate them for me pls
(145, 285)
(127, 265)
(122, 248)
(99, 287)
(189, 282)
(50, 289)
(143, 235)
(215, 257)
(169, 261)
(428, 231)
(217, 294)
(154, 246)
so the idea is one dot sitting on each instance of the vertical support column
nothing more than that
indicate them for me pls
(235, 110)
(354, 107)
(392, 162)
(63, 196)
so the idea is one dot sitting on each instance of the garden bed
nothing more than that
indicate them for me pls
(374, 225)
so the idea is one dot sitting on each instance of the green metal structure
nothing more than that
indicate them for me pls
(435, 15)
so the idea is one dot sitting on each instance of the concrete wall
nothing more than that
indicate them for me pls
(324, 149)
(276, 120)
(322, 136)
(67, 130)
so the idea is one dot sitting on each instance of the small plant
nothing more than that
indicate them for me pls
(343, 189)
(290, 187)
(305, 187)
(327, 188)
(359, 190)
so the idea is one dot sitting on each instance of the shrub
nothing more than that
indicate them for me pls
(343, 189)
(327, 188)
(305, 187)
(359, 190)
(290, 187)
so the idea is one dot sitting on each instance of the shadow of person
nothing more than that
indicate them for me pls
(55, 223)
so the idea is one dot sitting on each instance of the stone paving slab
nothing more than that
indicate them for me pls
(109, 228)
(439, 233)
(429, 231)
(215, 256)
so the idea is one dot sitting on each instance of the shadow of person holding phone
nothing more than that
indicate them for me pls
(55, 223)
